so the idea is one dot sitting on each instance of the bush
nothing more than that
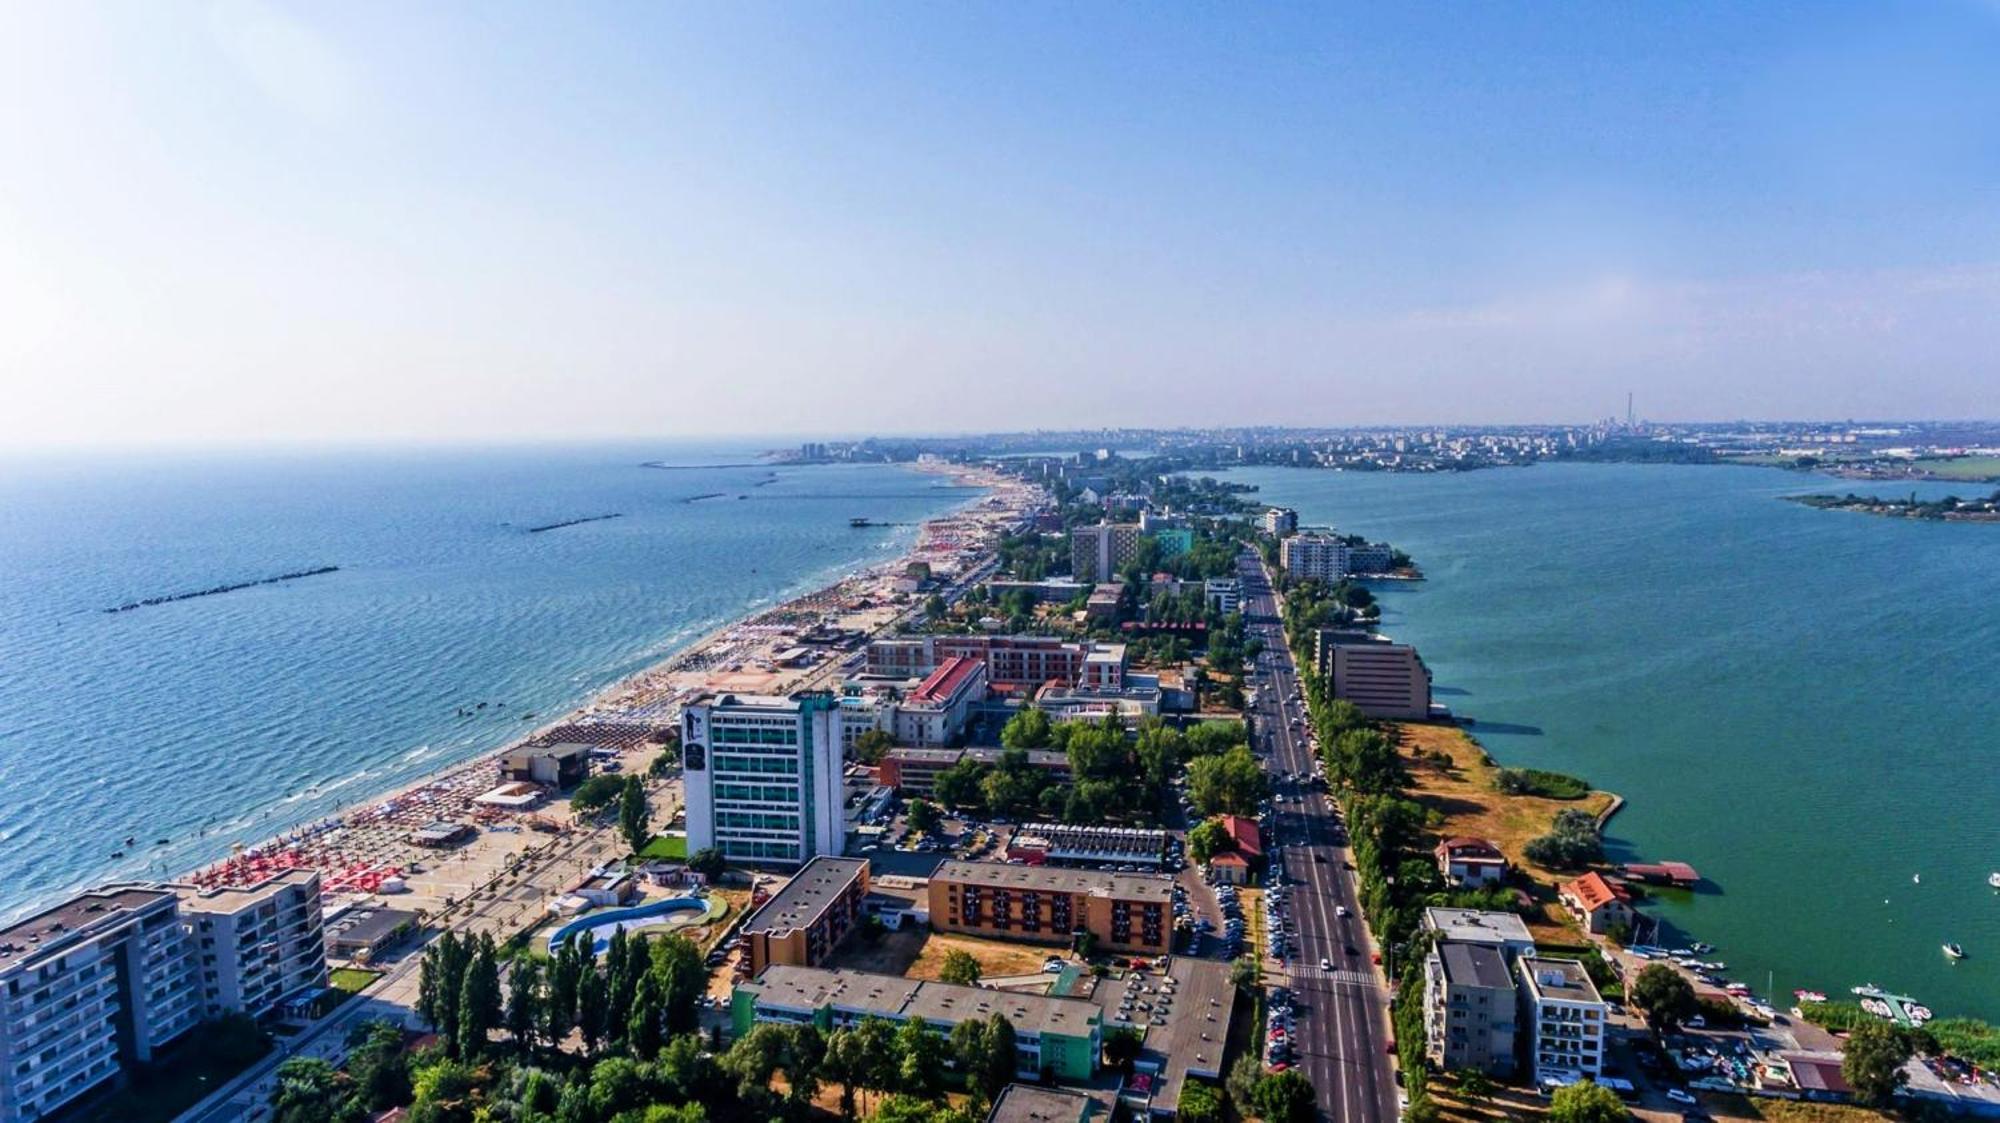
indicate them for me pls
(597, 793)
(1572, 843)
(1536, 781)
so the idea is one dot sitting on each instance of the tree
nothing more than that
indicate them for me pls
(962, 785)
(923, 816)
(1245, 973)
(1242, 1080)
(445, 1091)
(596, 793)
(1573, 842)
(871, 745)
(1200, 1103)
(479, 1001)
(1121, 1048)
(683, 976)
(934, 607)
(1029, 729)
(634, 818)
(709, 862)
(1206, 841)
(524, 1001)
(308, 1091)
(1283, 1097)
(645, 1027)
(593, 1009)
(970, 1044)
(1474, 1085)
(378, 1065)
(1873, 1060)
(1664, 995)
(920, 1059)
(1001, 1061)
(1586, 1102)
(1232, 783)
(959, 966)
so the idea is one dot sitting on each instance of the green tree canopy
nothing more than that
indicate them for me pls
(1586, 1102)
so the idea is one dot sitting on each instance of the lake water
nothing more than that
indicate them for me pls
(1805, 705)
(206, 721)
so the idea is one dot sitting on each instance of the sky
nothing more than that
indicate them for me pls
(249, 221)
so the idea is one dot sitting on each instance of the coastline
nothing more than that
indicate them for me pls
(645, 697)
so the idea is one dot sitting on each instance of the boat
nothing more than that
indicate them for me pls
(1809, 996)
(1701, 949)
(1954, 951)
(1917, 878)
(1993, 879)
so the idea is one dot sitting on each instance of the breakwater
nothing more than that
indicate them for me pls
(221, 589)
(571, 522)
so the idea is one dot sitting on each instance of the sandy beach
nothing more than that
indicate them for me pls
(365, 850)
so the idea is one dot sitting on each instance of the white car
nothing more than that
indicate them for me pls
(1682, 1096)
(1325, 964)
(1340, 910)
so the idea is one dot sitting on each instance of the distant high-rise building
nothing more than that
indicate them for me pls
(1097, 553)
(1280, 521)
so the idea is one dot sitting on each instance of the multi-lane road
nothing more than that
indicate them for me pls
(1340, 1040)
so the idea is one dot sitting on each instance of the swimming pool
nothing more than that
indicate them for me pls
(658, 914)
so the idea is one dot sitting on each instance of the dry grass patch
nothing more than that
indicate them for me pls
(995, 958)
(1764, 1109)
(1463, 792)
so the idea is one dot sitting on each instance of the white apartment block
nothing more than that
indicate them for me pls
(257, 945)
(1563, 1018)
(1314, 557)
(1223, 594)
(763, 776)
(101, 980)
(1280, 521)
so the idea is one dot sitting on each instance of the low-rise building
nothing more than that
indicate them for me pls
(1057, 1038)
(1470, 1009)
(1314, 557)
(1563, 1019)
(1012, 662)
(1244, 856)
(1470, 862)
(935, 712)
(1597, 903)
(808, 918)
(1223, 594)
(1026, 1103)
(363, 933)
(257, 945)
(557, 766)
(1058, 843)
(914, 771)
(1124, 912)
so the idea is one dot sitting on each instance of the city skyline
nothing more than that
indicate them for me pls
(268, 223)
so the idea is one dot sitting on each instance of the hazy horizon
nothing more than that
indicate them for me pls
(249, 223)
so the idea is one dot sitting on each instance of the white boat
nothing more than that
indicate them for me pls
(1917, 878)
(1993, 879)
(1954, 951)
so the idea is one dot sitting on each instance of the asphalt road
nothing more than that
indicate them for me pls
(1342, 1028)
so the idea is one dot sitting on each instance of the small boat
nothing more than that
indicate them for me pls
(1993, 879)
(1917, 878)
(1701, 949)
(1954, 951)
(1809, 995)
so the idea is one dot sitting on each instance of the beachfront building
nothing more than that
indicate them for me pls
(1011, 661)
(763, 776)
(1314, 557)
(259, 944)
(1471, 1011)
(1564, 1019)
(103, 980)
(1125, 912)
(557, 766)
(1383, 679)
(1279, 521)
(1058, 1038)
(1097, 553)
(802, 923)
(1597, 903)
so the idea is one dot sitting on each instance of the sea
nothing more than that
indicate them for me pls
(1803, 704)
(229, 718)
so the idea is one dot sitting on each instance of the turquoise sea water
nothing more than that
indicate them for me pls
(1803, 704)
(230, 717)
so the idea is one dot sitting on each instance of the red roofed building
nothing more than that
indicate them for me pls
(1471, 862)
(934, 713)
(1245, 854)
(1599, 905)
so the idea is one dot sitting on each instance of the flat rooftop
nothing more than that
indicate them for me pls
(810, 988)
(27, 939)
(1564, 980)
(1184, 1016)
(1025, 1103)
(924, 756)
(1472, 926)
(231, 898)
(1474, 965)
(366, 925)
(806, 896)
(1122, 886)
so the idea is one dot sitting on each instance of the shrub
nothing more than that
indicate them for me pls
(1536, 781)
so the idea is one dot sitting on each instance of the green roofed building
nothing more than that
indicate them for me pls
(1055, 1038)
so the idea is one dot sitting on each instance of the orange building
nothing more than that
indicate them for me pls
(806, 920)
(1126, 912)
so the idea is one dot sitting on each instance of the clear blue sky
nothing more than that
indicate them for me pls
(392, 221)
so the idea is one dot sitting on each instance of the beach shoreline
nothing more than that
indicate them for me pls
(362, 843)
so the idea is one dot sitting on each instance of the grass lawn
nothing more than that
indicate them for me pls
(1463, 793)
(666, 848)
(1767, 1109)
(351, 979)
(1962, 467)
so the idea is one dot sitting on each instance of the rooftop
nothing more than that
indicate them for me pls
(1185, 1019)
(1124, 886)
(1563, 979)
(1243, 833)
(1474, 965)
(1025, 1103)
(562, 751)
(230, 898)
(807, 894)
(26, 939)
(366, 925)
(1471, 926)
(949, 678)
(810, 988)
(1592, 892)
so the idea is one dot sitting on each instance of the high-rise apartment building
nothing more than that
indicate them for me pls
(1564, 1019)
(257, 945)
(1314, 557)
(763, 776)
(1097, 553)
(1383, 679)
